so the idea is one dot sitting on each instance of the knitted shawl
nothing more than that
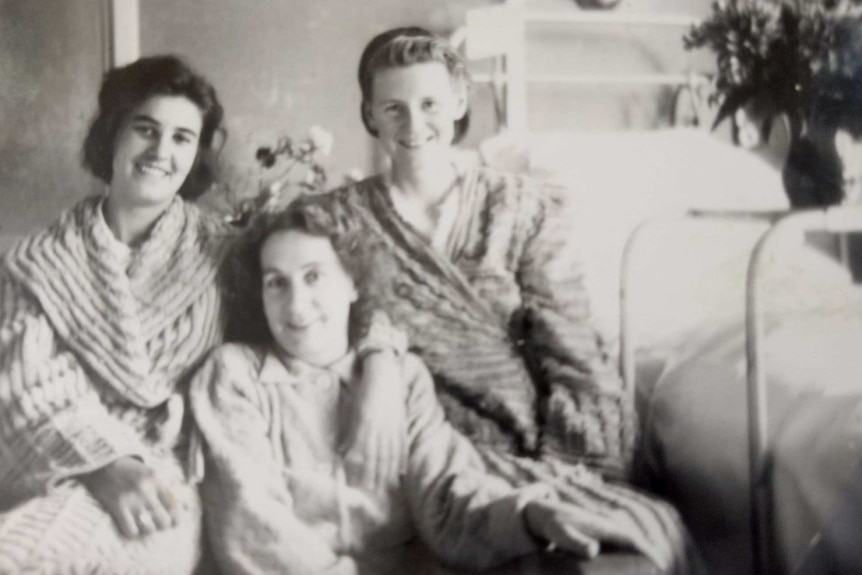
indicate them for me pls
(502, 319)
(97, 340)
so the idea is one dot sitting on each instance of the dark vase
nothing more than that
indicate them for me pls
(813, 179)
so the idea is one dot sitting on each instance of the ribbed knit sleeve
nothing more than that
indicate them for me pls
(588, 415)
(52, 422)
(470, 519)
(248, 508)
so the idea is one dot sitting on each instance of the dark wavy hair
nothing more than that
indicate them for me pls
(124, 89)
(404, 47)
(308, 215)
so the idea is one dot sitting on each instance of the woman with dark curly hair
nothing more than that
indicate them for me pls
(277, 498)
(103, 317)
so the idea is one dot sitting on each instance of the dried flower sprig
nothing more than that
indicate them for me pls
(297, 171)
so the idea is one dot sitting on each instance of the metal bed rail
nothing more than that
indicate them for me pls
(780, 226)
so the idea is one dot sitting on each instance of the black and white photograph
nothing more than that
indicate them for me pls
(431, 287)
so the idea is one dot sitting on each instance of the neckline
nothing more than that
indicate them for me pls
(452, 193)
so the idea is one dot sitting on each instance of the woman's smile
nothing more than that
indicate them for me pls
(414, 110)
(155, 151)
(306, 295)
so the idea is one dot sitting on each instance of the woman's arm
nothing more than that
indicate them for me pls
(373, 439)
(53, 424)
(470, 519)
(247, 504)
(588, 415)
(473, 520)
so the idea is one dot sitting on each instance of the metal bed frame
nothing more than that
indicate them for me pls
(781, 225)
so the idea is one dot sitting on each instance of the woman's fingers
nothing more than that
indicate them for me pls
(158, 515)
(125, 520)
(358, 468)
(140, 500)
(576, 542)
(621, 533)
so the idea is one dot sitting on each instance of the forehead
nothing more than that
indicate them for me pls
(176, 112)
(404, 82)
(291, 251)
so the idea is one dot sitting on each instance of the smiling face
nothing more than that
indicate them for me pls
(307, 296)
(414, 109)
(154, 152)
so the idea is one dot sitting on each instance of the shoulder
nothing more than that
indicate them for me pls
(209, 226)
(73, 221)
(519, 191)
(59, 246)
(519, 203)
(237, 358)
(352, 194)
(417, 377)
(230, 367)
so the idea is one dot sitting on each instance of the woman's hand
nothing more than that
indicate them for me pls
(581, 532)
(373, 438)
(139, 501)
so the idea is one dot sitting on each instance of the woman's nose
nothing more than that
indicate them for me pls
(412, 118)
(297, 300)
(161, 146)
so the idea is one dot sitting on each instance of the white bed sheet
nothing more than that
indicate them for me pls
(689, 309)
(696, 430)
(616, 180)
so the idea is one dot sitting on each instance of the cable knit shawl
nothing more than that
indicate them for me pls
(502, 320)
(96, 340)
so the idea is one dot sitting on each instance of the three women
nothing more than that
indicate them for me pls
(104, 316)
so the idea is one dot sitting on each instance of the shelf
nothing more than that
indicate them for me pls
(610, 18)
(606, 79)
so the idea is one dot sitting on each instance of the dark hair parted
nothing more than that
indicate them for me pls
(307, 215)
(124, 89)
(405, 47)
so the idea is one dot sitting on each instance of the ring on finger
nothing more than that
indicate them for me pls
(169, 497)
(146, 521)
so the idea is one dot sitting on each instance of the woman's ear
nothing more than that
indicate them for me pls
(367, 118)
(461, 99)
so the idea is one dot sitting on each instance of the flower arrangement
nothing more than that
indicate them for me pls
(290, 168)
(773, 52)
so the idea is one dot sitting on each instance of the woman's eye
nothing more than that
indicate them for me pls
(275, 283)
(431, 105)
(145, 130)
(312, 277)
(182, 139)
(391, 110)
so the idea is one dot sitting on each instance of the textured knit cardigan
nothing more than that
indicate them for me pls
(502, 319)
(276, 496)
(96, 343)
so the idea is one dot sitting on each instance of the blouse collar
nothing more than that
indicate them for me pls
(278, 369)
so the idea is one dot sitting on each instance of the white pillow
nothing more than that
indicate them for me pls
(685, 273)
